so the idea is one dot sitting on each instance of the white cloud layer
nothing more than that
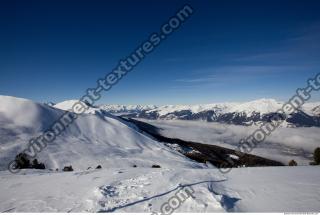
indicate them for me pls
(283, 145)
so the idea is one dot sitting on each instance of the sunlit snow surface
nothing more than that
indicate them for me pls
(268, 189)
(100, 138)
(93, 139)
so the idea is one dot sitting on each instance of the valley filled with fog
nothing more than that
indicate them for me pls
(283, 145)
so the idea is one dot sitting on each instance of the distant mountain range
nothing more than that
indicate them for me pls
(247, 113)
(98, 137)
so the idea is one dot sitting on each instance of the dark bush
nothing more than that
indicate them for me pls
(35, 162)
(68, 169)
(37, 165)
(293, 163)
(89, 168)
(99, 167)
(23, 161)
(156, 166)
(134, 166)
(316, 156)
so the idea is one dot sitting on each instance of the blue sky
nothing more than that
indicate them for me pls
(227, 51)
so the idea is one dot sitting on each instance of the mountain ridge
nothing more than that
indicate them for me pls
(94, 138)
(240, 113)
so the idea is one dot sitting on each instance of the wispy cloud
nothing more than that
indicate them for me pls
(207, 78)
(223, 73)
(217, 78)
(302, 48)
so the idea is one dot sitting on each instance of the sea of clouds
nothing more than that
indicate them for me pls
(283, 145)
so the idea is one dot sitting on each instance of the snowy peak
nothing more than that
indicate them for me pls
(316, 110)
(127, 108)
(68, 104)
(245, 113)
(26, 114)
(262, 106)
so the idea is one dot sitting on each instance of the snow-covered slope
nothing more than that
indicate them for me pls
(68, 104)
(97, 137)
(145, 190)
(246, 113)
(262, 106)
(312, 108)
(316, 110)
(91, 140)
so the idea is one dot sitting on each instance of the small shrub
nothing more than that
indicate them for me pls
(23, 161)
(68, 169)
(293, 163)
(35, 162)
(99, 167)
(89, 168)
(57, 169)
(37, 165)
(134, 166)
(316, 156)
(41, 166)
(156, 166)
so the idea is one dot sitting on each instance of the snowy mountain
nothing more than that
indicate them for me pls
(247, 113)
(95, 138)
(99, 138)
(127, 109)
